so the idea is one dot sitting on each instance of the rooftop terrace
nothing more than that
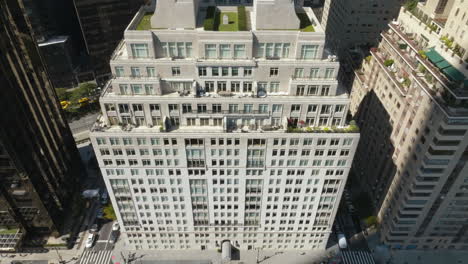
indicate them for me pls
(239, 19)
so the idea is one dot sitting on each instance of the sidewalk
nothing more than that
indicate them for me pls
(52, 256)
(264, 256)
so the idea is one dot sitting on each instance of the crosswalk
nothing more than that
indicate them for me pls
(357, 257)
(96, 257)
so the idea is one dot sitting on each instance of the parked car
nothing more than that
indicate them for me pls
(90, 240)
(115, 226)
(342, 241)
(104, 198)
(94, 228)
(113, 237)
(100, 213)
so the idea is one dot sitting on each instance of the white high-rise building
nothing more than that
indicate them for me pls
(224, 123)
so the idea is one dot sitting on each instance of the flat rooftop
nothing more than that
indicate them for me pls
(239, 19)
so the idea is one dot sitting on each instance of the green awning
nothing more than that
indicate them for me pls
(443, 64)
(434, 56)
(453, 74)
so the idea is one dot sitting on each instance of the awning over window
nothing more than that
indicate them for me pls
(453, 74)
(444, 66)
(434, 56)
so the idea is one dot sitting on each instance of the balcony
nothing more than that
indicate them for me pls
(311, 78)
(301, 128)
(390, 70)
(421, 58)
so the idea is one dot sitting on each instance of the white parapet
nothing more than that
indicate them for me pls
(174, 14)
(266, 14)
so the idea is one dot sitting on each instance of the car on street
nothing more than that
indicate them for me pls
(100, 213)
(104, 198)
(94, 228)
(113, 237)
(342, 241)
(115, 226)
(90, 240)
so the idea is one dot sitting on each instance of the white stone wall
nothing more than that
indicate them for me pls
(152, 184)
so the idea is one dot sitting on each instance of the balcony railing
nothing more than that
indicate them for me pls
(312, 78)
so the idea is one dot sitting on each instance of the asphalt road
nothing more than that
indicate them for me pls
(83, 124)
(103, 238)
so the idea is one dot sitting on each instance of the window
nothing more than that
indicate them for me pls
(154, 107)
(201, 71)
(312, 90)
(273, 50)
(269, 50)
(119, 71)
(260, 50)
(124, 89)
(175, 71)
(309, 52)
(176, 49)
(137, 107)
(127, 141)
(300, 90)
(101, 141)
(225, 51)
(135, 71)
(247, 71)
(214, 71)
(149, 89)
(150, 72)
(216, 108)
(326, 109)
(329, 73)
(274, 87)
(325, 90)
(235, 87)
(274, 71)
(295, 108)
(137, 89)
(191, 121)
(314, 73)
(239, 51)
(204, 121)
(247, 87)
(235, 71)
(186, 108)
(139, 50)
(222, 87)
(233, 108)
(277, 108)
(224, 71)
(336, 121)
(173, 107)
(263, 108)
(123, 108)
(209, 87)
(312, 108)
(109, 107)
(201, 108)
(210, 51)
(299, 73)
(262, 86)
(339, 108)
(248, 108)
(323, 121)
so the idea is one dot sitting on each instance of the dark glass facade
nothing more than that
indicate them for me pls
(103, 23)
(39, 163)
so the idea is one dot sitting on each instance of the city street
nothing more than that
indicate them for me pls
(95, 257)
(83, 124)
(101, 252)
